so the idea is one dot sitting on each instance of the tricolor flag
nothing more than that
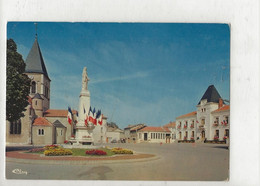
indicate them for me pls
(69, 115)
(99, 117)
(91, 117)
(85, 116)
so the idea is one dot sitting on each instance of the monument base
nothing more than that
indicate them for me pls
(83, 136)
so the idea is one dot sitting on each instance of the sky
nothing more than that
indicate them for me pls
(139, 72)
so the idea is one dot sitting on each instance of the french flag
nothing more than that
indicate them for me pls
(99, 117)
(69, 115)
(86, 116)
(91, 117)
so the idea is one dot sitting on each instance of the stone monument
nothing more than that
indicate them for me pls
(84, 132)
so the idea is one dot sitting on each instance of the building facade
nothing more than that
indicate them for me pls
(155, 135)
(210, 121)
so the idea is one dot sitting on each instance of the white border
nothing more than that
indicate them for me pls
(242, 15)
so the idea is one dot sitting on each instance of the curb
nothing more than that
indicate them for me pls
(80, 162)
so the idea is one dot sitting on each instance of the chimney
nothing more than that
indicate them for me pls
(220, 103)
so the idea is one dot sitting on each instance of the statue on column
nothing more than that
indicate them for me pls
(85, 79)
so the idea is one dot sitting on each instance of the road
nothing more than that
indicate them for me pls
(183, 162)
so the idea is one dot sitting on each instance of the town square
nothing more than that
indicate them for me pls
(94, 128)
(110, 97)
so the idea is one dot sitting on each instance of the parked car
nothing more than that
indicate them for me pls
(114, 141)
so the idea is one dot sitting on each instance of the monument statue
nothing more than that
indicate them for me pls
(85, 79)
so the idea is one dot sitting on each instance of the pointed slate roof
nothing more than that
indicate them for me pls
(37, 96)
(211, 95)
(57, 123)
(34, 61)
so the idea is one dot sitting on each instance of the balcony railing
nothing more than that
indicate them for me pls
(192, 126)
(215, 124)
(185, 126)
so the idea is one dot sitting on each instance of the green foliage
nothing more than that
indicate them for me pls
(112, 124)
(82, 152)
(17, 83)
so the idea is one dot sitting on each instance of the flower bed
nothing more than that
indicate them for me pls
(96, 152)
(36, 150)
(121, 151)
(57, 152)
(51, 147)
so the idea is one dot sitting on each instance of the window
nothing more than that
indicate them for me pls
(40, 132)
(61, 132)
(15, 127)
(33, 90)
(227, 132)
(226, 118)
(101, 129)
(46, 91)
(217, 133)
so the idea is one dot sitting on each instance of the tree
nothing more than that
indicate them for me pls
(17, 83)
(112, 124)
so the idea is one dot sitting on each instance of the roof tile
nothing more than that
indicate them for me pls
(188, 115)
(224, 108)
(41, 122)
(57, 113)
(155, 129)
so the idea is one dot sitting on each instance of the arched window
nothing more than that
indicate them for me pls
(33, 90)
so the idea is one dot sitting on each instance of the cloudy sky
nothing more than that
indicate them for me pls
(139, 72)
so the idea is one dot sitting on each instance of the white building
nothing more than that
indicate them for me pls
(155, 135)
(114, 134)
(210, 121)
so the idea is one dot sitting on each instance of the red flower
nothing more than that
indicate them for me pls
(96, 152)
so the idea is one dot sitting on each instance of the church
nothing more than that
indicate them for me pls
(42, 125)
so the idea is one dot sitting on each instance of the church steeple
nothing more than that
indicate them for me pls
(36, 70)
(34, 61)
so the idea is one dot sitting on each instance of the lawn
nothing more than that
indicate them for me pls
(80, 152)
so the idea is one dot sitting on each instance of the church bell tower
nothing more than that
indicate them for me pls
(37, 72)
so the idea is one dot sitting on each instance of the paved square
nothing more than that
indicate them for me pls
(189, 162)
